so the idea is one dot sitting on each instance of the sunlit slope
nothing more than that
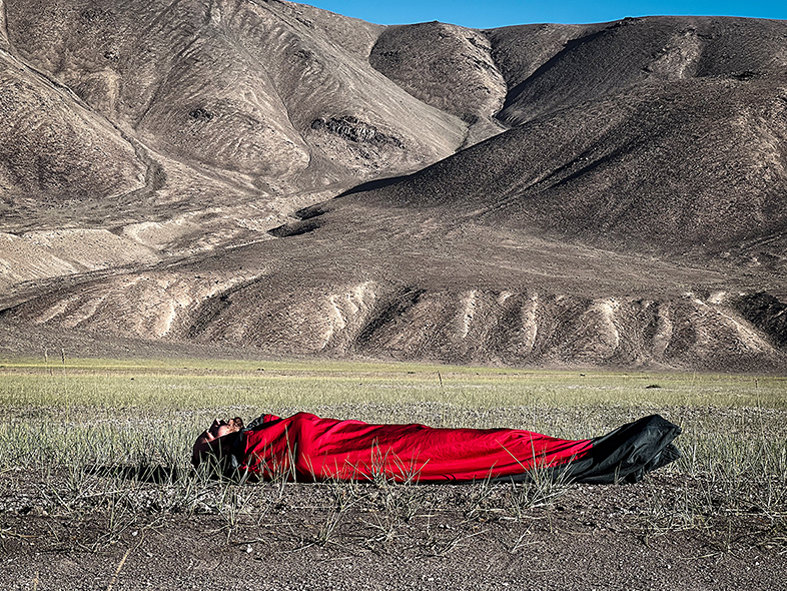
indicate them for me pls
(608, 194)
(185, 127)
(466, 294)
(236, 86)
(53, 149)
(448, 67)
(220, 111)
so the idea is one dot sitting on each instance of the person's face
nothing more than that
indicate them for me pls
(218, 429)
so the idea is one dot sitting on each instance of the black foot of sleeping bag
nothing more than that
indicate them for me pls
(623, 456)
(627, 453)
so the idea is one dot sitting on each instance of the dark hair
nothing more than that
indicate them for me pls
(223, 455)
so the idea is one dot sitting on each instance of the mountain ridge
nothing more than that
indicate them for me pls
(299, 183)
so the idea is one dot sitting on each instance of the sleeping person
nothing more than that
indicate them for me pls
(307, 448)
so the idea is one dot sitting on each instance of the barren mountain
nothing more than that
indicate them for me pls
(274, 177)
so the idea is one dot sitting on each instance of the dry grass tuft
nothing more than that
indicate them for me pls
(86, 441)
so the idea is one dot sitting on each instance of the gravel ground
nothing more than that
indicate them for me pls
(588, 537)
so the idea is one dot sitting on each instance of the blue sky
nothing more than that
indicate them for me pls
(498, 13)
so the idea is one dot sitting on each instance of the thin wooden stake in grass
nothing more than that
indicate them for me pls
(439, 377)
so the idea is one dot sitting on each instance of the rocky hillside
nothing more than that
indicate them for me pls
(274, 177)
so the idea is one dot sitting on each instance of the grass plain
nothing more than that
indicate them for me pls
(101, 447)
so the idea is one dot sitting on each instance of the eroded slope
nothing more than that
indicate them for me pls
(621, 200)
(233, 113)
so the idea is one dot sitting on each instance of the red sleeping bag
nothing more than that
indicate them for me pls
(308, 448)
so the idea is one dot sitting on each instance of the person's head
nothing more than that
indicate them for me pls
(210, 440)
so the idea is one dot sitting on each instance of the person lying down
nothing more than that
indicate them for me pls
(307, 448)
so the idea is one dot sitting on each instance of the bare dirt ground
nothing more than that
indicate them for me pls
(588, 537)
(96, 491)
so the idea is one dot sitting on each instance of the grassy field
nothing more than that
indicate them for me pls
(114, 437)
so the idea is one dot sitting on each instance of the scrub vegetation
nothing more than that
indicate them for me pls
(95, 454)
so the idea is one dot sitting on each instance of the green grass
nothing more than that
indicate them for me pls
(200, 384)
(131, 403)
(80, 423)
